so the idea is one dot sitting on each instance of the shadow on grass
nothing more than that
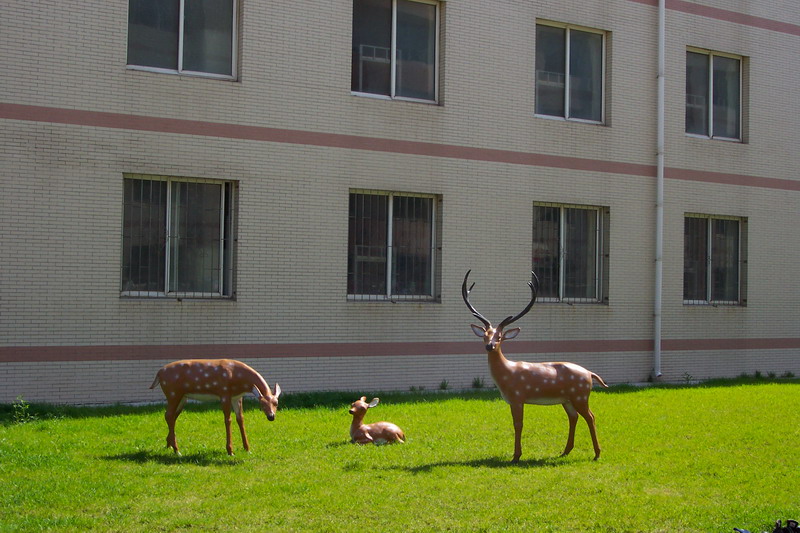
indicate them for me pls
(169, 458)
(487, 462)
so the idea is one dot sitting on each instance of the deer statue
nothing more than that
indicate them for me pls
(377, 433)
(212, 379)
(564, 384)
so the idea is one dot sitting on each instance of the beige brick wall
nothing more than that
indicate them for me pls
(62, 184)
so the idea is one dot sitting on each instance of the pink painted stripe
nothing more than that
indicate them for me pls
(310, 138)
(21, 354)
(98, 119)
(726, 15)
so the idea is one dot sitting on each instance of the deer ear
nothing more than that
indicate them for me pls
(374, 402)
(477, 330)
(277, 391)
(256, 392)
(510, 334)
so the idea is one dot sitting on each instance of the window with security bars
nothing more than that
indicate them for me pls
(391, 246)
(570, 252)
(713, 265)
(177, 238)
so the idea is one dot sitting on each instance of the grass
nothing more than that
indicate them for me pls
(700, 458)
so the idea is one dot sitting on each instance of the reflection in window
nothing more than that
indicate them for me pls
(156, 35)
(716, 80)
(406, 69)
(569, 73)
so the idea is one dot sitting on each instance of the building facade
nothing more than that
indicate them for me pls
(303, 186)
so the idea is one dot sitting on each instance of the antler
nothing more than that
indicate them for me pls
(465, 294)
(534, 285)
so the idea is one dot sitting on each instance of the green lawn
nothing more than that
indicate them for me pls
(706, 458)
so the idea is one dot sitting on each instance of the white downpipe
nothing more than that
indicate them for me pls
(659, 276)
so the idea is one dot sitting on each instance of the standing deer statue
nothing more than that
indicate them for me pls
(565, 384)
(213, 379)
(378, 432)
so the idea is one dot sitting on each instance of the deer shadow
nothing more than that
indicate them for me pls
(196, 458)
(486, 462)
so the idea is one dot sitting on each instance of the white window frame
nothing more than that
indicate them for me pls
(710, 96)
(226, 187)
(393, 59)
(180, 70)
(601, 222)
(568, 28)
(388, 296)
(708, 259)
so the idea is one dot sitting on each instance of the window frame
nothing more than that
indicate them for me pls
(567, 44)
(710, 95)
(181, 29)
(741, 299)
(393, 61)
(226, 275)
(432, 296)
(601, 253)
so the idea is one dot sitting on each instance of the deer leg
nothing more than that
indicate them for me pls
(517, 411)
(587, 415)
(226, 410)
(572, 414)
(237, 407)
(174, 409)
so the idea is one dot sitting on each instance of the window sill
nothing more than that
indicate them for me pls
(706, 137)
(569, 119)
(187, 74)
(706, 304)
(394, 99)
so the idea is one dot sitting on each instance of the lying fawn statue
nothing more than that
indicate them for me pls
(377, 433)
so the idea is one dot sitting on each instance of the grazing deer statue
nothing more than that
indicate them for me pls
(213, 379)
(566, 384)
(377, 433)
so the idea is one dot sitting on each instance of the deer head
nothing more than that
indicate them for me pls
(493, 336)
(268, 405)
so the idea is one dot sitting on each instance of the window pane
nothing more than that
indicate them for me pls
(208, 36)
(695, 252)
(546, 236)
(550, 70)
(580, 254)
(726, 97)
(416, 50)
(143, 235)
(372, 34)
(725, 260)
(195, 233)
(153, 33)
(586, 75)
(697, 93)
(367, 244)
(412, 227)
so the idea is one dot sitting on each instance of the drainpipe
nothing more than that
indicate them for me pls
(659, 194)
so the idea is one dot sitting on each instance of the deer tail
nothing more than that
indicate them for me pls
(155, 381)
(599, 380)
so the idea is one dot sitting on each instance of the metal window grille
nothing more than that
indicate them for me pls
(391, 246)
(568, 252)
(713, 263)
(177, 238)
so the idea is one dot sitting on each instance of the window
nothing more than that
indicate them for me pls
(177, 237)
(391, 246)
(570, 252)
(194, 37)
(713, 95)
(712, 260)
(569, 72)
(395, 48)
